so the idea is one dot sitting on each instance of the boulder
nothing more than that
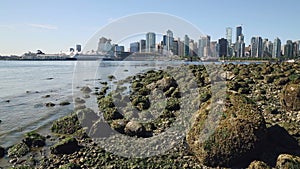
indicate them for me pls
(227, 135)
(86, 89)
(2, 152)
(66, 146)
(290, 97)
(66, 125)
(18, 150)
(258, 165)
(134, 128)
(33, 139)
(287, 161)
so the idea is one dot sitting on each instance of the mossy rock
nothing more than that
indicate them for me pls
(66, 146)
(287, 161)
(66, 125)
(34, 139)
(290, 97)
(70, 166)
(224, 137)
(18, 150)
(258, 165)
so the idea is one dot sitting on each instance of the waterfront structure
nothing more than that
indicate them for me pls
(134, 47)
(223, 47)
(186, 45)
(276, 48)
(204, 46)
(104, 46)
(256, 47)
(150, 42)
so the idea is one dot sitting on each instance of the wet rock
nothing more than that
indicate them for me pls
(33, 139)
(70, 166)
(134, 128)
(64, 103)
(46, 96)
(286, 161)
(50, 104)
(258, 165)
(86, 89)
(79, 100)
(2, 152)
(290, 97)
(87, 117)
(18, 150)
(66, 125)
(66, 146)
(224, 137)
(165, 83)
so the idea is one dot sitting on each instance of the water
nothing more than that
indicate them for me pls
(24, 85)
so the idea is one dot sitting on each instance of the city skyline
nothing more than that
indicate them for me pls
(56, 26)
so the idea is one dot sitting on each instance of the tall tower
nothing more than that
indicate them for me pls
(238, 32)
(169, 40)
(223, 43)
(276, 48)
(204, 46)
(186, 45)
(150, 42)
(256, 47)
(229, 35)
(288, 49)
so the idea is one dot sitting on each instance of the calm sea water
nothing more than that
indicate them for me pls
(24, 85)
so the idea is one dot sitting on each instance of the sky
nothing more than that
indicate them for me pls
(56, 25)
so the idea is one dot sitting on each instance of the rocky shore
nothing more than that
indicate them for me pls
(253, 123)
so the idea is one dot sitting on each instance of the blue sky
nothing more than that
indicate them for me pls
(57, 25)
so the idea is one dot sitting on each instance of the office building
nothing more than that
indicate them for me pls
(256, 47)
(150, 42)
(223, 47)
(288, 49)
(204, 46)
(276, 48)
(78, 48)
(134, 47)
(142, 45)
(186, 45)
(238, 32)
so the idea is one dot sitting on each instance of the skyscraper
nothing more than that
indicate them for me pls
(240, 47)
(238, 32)
(256, 47)
(169, 41)
(288, 49)
(142, 45)
(134, 47)
(150, 42)
(204, 46)
(186, 45)
(276, 48)
(229, 35)
(223, 45)
(78, 48)
(267, 48)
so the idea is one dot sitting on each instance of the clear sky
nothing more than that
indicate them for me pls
(57, 25)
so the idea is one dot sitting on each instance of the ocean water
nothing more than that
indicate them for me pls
(24, 86)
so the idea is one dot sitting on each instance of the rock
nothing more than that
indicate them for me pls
(2, 152)
(165, 83)
(238, 133)
(286, 161)
(290, 97)
(258, 165)
(46, 96)
(50, 104)
(87, 117)
(79, 100)
(134, 128)
(33, 139)
(66, 125)
(86, 89)
(64, 103)
(66, 146)
(70, 166)
(18, 150)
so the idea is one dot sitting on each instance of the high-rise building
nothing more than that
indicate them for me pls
(175, 47)
(186, 45)
(256, 47)
(78, 48)
(276, 48)
(240, 47)
(288, 49)
(223, 46)
(295, 49)
(142, 45)
(267, 48)
(150, 42)
(180, 47)
(134, 47)
(229, 35)
(204, 46)
(238, 32)
(214, 49)
(104, 46)
(169, 41)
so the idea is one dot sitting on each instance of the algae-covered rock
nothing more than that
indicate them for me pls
(258, 165)
(223, 136)
(18, 150)
(134, 128)
(66, 146)
(290, 97)
(33, 139)
(2, 152)
(286, 161)
(66, 125)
